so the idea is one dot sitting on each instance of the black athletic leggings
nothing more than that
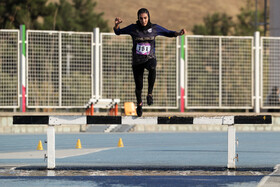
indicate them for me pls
(138, 72)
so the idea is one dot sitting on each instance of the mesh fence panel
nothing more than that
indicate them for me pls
(76, 69)
(43, 69)
(270, 72)
(219, 72)
(9, 60)
(117, 76)
(202, 72)
(237, 84)
(59, 69)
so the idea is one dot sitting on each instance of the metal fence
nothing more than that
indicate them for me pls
(117, 77)
(219, 72)
(60, 68)
(9, 68)
(270, 68)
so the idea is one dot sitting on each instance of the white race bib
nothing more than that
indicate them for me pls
(143, 48)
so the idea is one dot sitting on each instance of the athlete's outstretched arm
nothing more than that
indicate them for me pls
(125, 30)
(165, 32)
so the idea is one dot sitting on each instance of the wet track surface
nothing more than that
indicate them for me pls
(182, 159)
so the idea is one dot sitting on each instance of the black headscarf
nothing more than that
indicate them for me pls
(149, 24)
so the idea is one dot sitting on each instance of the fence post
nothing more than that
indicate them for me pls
(96, 63)
(257, 72)
(22, 70)
(182, 73)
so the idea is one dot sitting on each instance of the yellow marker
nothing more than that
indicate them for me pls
(40, 146)
(264, 117)
(120, 144)
(79, 145)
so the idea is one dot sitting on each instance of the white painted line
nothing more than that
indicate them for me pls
(23, 155)
(67, 120)
(63, 153)
(78, 152)
(265, 180)
(133, 120)
(218, 120)
(111, 127)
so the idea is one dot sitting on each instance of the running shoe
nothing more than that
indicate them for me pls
(139, 110)
(150, 100)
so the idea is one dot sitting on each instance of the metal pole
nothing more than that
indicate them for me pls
(96, 62)
(265, 17)
(257, 72)
(22, 69)
(60, 69)
(182, 73)
(220, 72)
(256, 16)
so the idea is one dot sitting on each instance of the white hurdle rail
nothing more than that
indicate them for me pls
(53, 121)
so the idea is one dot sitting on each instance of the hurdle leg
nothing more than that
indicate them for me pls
(231, 147)
(116, 109)
(111, 111)
(91, 109)
(51, 147)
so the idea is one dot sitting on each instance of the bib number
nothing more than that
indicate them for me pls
(143, 49)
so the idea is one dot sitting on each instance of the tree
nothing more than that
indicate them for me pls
(87, 18)
(37, 14)
(245, 25)
(79, 16)
(215, 24)
(222, 24)
(16, 12)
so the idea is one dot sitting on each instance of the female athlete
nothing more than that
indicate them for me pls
(143, 34)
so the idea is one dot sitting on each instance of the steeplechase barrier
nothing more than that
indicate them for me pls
(54, 120)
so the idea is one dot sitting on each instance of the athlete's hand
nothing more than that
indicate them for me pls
(183, 31)
(118, 21)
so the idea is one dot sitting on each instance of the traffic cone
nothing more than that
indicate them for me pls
(120, 144)
(79, 145)
(40, 146)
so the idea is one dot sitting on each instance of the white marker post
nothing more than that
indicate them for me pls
(51, 147)
(231, 147)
